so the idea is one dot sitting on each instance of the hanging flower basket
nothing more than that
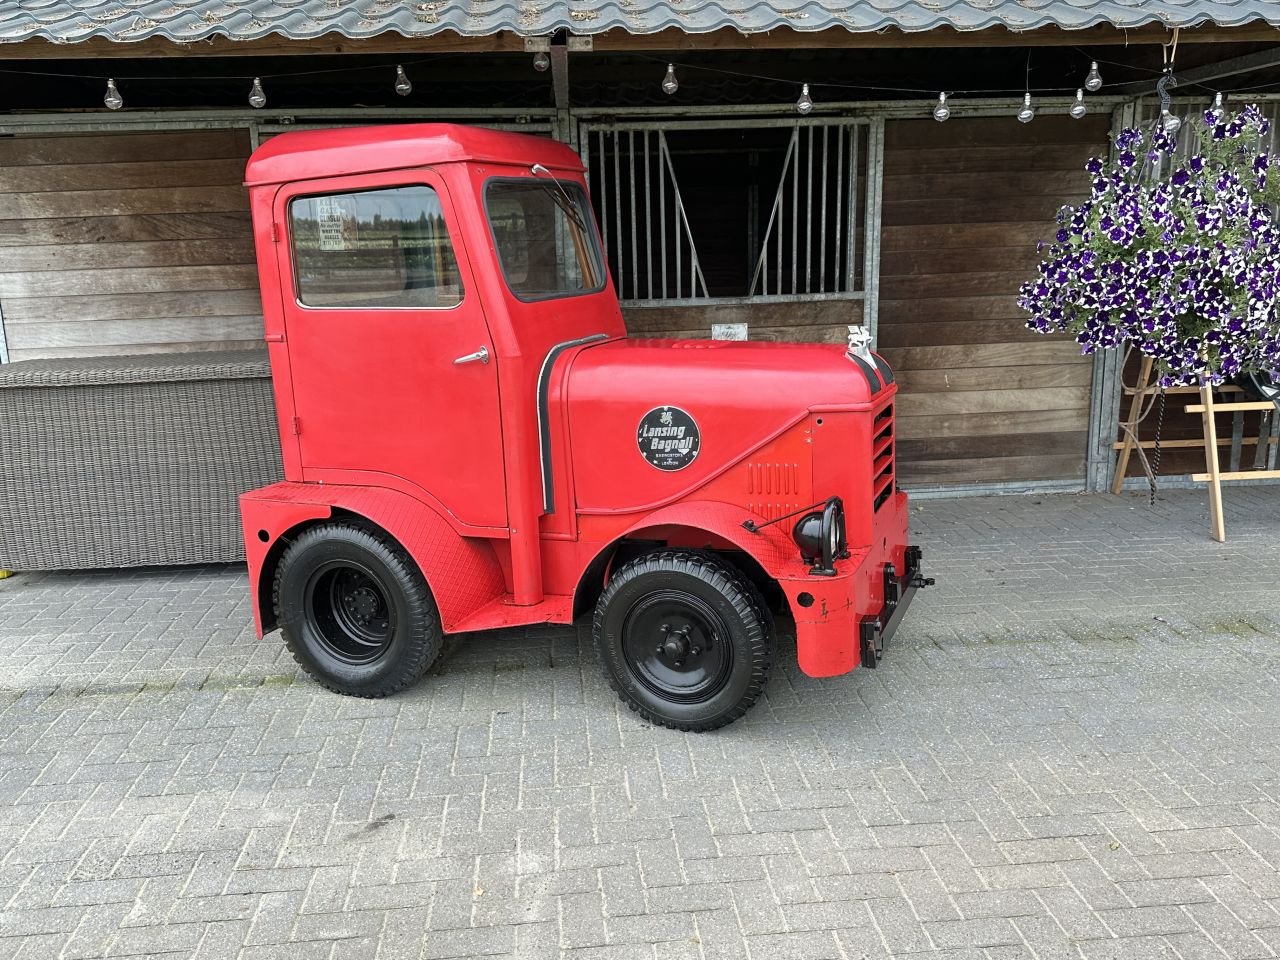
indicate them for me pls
(1177, 256)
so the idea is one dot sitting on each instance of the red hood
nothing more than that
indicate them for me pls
(738, 394)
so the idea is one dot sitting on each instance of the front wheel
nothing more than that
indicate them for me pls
(355, 610)
(684, 638)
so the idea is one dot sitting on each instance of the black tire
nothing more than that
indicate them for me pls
(685, 639)
(355, 610)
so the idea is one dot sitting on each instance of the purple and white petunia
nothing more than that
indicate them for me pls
(1180, 258)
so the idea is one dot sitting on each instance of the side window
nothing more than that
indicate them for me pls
(545, 241)
(375, 248)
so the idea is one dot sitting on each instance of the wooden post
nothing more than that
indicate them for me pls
(1216, 521)
(1131, 425)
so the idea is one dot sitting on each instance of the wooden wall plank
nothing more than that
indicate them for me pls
(1018, 258)
(995, 378)
(1065, 443)
(121, 176)
(98, 350)
(985, 283)
(71, 283)
(136, 306)
(1019, 208)
(933, 237)
(956, 332)
(126, 229)
(922, 310)
(979, 185)
(990, 469)
(945, 425)
(106, 256)
(993, 401)
(996, 158)
(113, 203)
(1032, 353)
(124, 148)
(122, 333)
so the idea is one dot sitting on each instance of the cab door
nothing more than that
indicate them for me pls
(393, 371)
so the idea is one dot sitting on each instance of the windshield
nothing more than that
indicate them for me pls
(542, 230)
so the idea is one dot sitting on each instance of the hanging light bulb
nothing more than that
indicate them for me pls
(1219, 112)
(112, 99)
(941, 112)
(1078, 109)
(404, 86)
(541, 61)
(669, 83)
(805, 103)
(257, 96)
(1170, 123)
(1028, 112)
(1093, 79)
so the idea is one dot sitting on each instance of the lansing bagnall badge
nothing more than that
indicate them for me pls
(668, 438)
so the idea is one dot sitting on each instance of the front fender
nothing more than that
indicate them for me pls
(770, 546)
(826, 609)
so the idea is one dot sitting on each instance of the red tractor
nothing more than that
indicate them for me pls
(471, 440)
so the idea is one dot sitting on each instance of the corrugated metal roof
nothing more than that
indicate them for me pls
(69, 21)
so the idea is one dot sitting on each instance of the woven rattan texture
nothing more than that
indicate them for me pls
(131, 461)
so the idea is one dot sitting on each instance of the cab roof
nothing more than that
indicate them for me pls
(342, 151)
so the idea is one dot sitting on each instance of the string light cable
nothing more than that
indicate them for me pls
(942, 108)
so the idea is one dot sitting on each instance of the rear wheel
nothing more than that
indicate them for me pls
(355, 610)
(685, 639)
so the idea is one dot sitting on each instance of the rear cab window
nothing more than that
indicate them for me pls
(385, 247)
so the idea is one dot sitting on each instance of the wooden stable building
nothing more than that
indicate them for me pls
(127, 231)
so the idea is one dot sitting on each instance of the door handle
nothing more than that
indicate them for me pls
(482, 355)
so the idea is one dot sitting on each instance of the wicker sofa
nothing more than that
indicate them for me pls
(131, 461)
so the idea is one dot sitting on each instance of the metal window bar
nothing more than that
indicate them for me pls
(834, 167)
(809, 248)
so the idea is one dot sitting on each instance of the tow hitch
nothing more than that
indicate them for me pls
(898, 594)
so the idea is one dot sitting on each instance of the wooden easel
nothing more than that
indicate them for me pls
(1214, 475)
(1143, 391)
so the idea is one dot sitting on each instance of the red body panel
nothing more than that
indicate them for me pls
(377, 421)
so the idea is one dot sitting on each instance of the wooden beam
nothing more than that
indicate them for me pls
(620, 41)
(1230, 407)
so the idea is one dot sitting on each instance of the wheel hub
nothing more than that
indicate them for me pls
(362, 604)
(348, 606)
(673, 646)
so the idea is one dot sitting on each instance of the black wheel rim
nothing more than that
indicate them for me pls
(350, 612)
(677, 647)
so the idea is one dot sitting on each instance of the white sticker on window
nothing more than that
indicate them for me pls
(337, 227)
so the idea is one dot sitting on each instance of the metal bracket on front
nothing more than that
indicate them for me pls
(874, 632)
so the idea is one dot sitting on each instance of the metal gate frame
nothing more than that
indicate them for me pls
(589, 126)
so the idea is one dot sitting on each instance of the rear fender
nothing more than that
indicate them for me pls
(462, 572)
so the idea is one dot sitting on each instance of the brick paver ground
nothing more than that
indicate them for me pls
(1072, 751)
